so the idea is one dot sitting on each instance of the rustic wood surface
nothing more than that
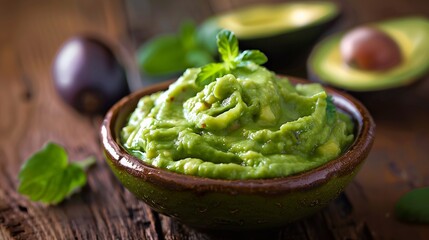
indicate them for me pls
(31, 113)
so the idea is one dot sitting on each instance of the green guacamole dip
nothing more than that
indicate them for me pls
(245, 125)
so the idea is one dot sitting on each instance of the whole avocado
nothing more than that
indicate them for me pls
(88, 76)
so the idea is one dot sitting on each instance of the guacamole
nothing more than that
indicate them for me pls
(248, 124)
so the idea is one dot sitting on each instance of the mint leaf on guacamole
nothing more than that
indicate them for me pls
(228, 49)
(227, 45)
(255, 56)
(210, 72)
(48, 177)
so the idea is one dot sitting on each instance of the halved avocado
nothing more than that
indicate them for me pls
(276, 29)
(326, 65)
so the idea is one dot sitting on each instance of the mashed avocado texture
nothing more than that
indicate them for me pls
(248, 124)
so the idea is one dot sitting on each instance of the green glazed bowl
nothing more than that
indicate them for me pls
(235, 204)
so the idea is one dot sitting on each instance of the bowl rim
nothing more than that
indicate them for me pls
(341, 166)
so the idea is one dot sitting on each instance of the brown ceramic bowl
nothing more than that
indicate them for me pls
(235, 204)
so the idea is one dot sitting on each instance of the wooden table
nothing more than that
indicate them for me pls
(31, 113)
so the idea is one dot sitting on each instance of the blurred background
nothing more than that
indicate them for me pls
(40, 28)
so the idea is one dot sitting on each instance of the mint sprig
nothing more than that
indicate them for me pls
(227, 44)
(254, 56)
(210, 72)
(48, 177)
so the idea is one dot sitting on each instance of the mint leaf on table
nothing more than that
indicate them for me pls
(173, 53)
(48, 177)
(227, 44)
(162, 55)
(187, 34)
(198, 57)
(414, 206)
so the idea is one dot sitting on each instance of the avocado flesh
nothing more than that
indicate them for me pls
(286, 42)
(269, 20)
(326, 65)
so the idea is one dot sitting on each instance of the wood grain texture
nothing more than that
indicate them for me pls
(31, 113)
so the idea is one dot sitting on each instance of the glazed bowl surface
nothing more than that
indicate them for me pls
(236, 204)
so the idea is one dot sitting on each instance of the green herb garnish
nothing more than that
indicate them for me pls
(227, 44)
(414, 206)
(331, 109)
(48, 177)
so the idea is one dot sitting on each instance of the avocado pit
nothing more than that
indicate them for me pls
(367, 48)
